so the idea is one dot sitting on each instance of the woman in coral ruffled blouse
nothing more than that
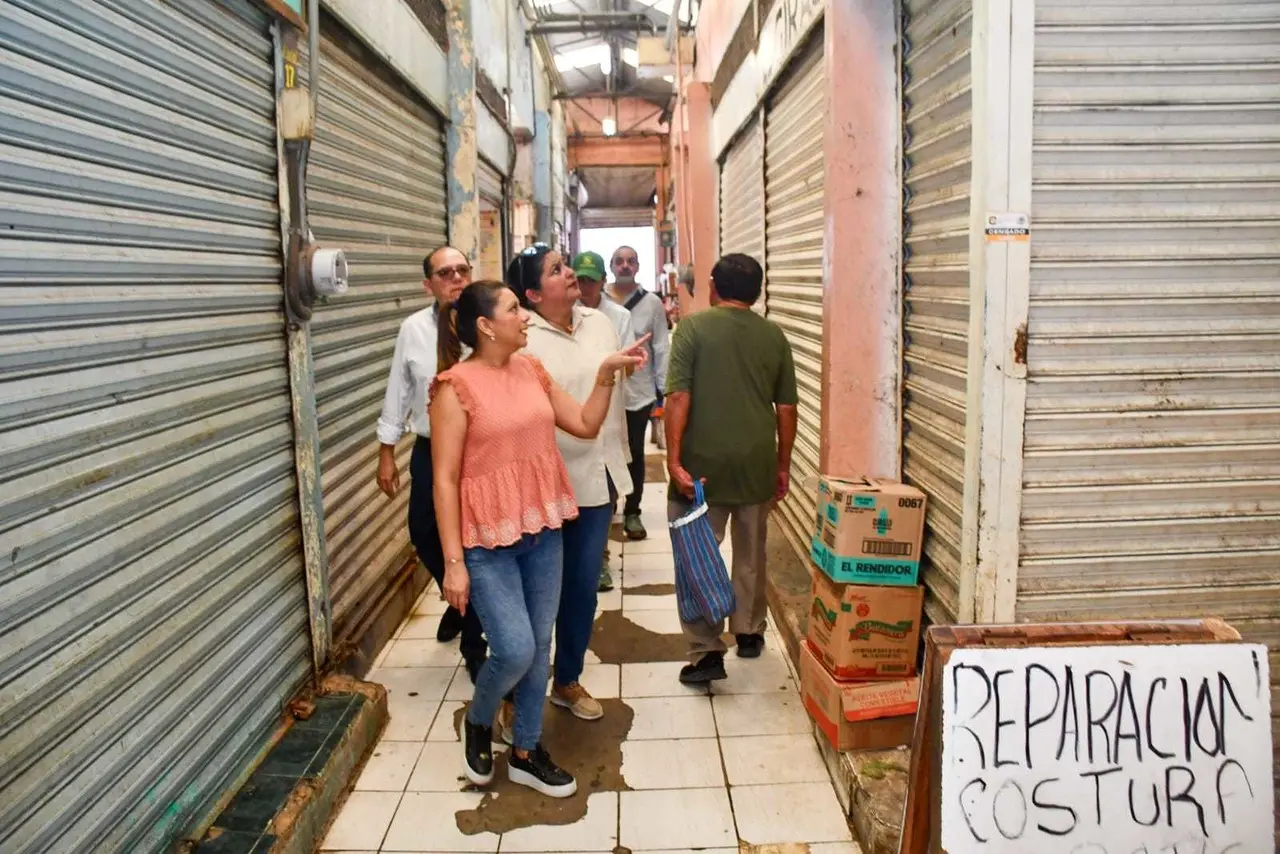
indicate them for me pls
(502, 494)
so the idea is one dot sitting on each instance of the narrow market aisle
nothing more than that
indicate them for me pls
(669, 768)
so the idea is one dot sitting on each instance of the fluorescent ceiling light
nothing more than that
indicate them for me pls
(609, 125)
(670, 78)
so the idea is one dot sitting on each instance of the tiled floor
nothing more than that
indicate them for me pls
(738, 764)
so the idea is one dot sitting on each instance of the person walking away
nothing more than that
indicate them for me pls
(502, 497)
(413, 366)
(589, 270)
(648, 317)
(731, 423)
(571, 342)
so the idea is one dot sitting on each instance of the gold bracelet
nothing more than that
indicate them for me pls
(609, 383)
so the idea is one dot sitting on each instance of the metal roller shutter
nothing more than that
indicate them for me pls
(153, 615)
(742, 198)
(617, 217)
(794, 233)
(1151, 475)
(938, 147)
(489, 183)
(376, 188)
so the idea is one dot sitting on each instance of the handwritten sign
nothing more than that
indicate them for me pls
(1107, 750)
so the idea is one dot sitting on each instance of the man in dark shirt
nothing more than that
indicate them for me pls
(731, 423)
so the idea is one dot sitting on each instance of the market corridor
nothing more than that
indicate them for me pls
(669, 768)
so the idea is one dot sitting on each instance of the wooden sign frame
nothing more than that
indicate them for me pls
(922, 817)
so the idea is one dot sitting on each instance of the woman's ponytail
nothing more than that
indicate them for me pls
(449, 345)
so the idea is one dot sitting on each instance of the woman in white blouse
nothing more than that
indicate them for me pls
(571, 341)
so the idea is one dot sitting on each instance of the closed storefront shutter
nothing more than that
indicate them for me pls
(938, 147)
(376, 188)
(794, 233)
(153, 616)
(1151, 476)
(617, 217)
(489, 183)
(742, 198)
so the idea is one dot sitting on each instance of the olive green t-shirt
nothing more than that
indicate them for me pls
(736, 365)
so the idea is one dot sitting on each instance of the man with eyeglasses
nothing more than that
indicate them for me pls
(413, 366)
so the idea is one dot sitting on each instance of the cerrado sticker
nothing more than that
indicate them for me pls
(1008, 228)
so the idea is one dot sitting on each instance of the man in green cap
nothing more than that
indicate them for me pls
(589, 269)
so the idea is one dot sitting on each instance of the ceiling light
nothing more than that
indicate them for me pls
(609, 125)
(670, 78)
(630, 56)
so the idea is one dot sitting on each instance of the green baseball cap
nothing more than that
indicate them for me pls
(589, 265)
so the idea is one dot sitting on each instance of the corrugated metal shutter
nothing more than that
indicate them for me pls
(794, 233)
(616, 217)
(376, 188)
(1151, 477)
(489, 183)
(153, 615)
(938, 146)
(742, 198)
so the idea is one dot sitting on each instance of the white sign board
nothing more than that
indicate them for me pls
(1107, 750)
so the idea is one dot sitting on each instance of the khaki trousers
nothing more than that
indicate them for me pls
(750, 528)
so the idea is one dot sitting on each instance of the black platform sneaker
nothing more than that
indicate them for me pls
(539, 773)
(478, 752)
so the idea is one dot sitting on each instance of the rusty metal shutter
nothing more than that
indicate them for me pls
(1151, 473)
(153, 615)
(938, 146)
(742, 197)
(489, 183)
(794, 234)
(377, 189)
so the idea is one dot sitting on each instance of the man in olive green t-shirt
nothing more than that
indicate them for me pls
(731, 422)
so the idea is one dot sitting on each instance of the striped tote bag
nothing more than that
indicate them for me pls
(703, 588)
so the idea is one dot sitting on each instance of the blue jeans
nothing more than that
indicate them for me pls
(516, 592)
(584, 542)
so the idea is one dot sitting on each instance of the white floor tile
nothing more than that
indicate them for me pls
(671, 717)
(602, 681)
(598, 831)
(430, 604)
(659, 622)
(835, 848)
(420, 628)
(755, 760)
(425, 822)
(362, 823)
(460, 689)
(689, 763)
(615, 557)
(413, 695)
(767, 674)
(611, 601)
(656, 679)
(422, 653)
(760, 714)
(648, 603)
(653, 575)
(658, 543)
(678, 819)
(439, 768)
(442, 727)
(389, 766)
(789, 813)
(633, 560)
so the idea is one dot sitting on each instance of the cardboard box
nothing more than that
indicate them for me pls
(858, 715)
(862, 631)
(868, 531)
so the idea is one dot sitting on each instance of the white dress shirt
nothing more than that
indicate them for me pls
(572, 360)
(648, 315)
(413, 367)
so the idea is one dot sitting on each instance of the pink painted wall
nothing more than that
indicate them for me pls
(717, 22)
(861, 431)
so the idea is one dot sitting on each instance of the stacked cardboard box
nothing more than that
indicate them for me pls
(857, 668)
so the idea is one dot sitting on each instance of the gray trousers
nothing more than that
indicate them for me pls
(750, 528)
